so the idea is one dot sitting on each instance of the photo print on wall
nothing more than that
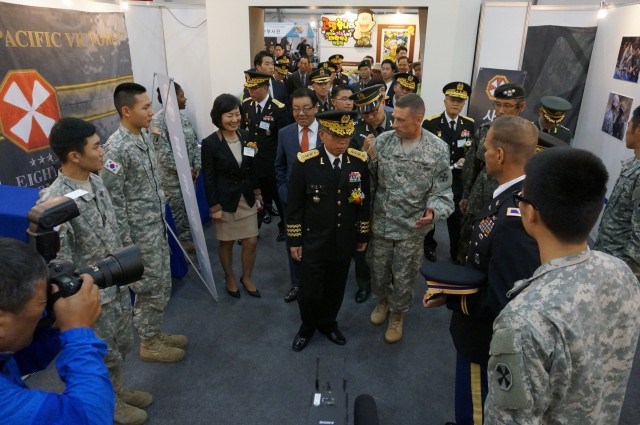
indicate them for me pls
(628, 62)
(616, 115)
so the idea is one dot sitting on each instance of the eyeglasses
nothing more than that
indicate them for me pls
(517, 198)
(305, 109)
(505, 106)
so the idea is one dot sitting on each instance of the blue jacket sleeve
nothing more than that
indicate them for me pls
(88, 396)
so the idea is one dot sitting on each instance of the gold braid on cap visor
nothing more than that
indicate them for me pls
(339, 128)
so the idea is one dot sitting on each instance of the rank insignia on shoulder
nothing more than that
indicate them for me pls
(434, 116)
(373, 155)
(467, 118)
(303, 156)
(111, 165)
(513, 212)
(277, 103)
(358, 154)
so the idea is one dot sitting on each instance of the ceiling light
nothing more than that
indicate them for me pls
(124, 5)
(602, 13)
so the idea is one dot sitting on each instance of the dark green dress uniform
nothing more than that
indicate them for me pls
(558, 131)
(458, 139)
(501, 249)
(263, 129)
(340, 77)
(327, 221)
(363, 130)
(323, 75)
(553, 109)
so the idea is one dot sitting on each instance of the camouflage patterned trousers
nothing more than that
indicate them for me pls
(394, 266)
(154, 289)
(114, 327)
(178, 211)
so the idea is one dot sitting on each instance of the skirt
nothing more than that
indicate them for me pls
(241, 224)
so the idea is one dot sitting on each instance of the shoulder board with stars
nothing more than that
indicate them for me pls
(358, 154)
(467, 118)
(277, 103)
(303, 156)
(513, 212)
(433, 117)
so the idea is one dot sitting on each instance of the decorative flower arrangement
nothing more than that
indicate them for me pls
(252, 145)
(356, 196)
(465, 134)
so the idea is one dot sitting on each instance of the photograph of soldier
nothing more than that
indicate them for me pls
(550, 116)
(628, 63)
(616, 115)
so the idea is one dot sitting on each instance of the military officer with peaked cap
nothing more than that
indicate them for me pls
(374, 119)
(327, 221)
(321, 85)
(340, 77)
(262, 117)
(405, 83)
(457, 132)
(281, 67)
(551, 113)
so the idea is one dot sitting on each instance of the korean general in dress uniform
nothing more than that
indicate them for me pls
(551, 113)
(327, 221)
(457, 131)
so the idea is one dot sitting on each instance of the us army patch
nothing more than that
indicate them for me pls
(504, 377)
(358, 154)
(302, 157)
(443, 177)
(513, 212)
(112, 166)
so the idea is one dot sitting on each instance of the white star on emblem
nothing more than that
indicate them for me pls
(32, 162)
(50, 157)
(41, 159)
(16, 98)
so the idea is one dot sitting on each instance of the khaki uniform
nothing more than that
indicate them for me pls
(131, 174)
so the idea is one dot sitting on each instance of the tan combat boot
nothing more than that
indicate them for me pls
(125, 414)
(153, 350)
(379, 314)
(176, 341)
(394, 330)
(135, 398)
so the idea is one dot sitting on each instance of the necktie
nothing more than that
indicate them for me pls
(259, 111)
(304, 143)
(452, 123)
(336, 167)
(302, 80)
(380, 129)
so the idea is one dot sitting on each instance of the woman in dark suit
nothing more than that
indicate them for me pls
(232, 191)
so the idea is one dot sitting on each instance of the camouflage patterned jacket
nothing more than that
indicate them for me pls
(164, 153)
(131, 175)
(474, 159)
(94, 234)
(404, 185)
(562, 350)
(619, 231)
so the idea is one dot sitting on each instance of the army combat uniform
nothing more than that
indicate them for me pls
(132, 177)
(168, 172)
(84, 241)
(562, 350)
(619, 231)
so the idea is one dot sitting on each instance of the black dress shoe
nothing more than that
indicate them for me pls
(281, 237)
(299, 342)
(234, 294)
(431, 256)
(266, 219)
(336, 337)
(292, 295)
(362, 295)
(255, 293)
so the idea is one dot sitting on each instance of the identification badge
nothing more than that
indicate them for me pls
(249, 151)
(461, 142)
(264, 125)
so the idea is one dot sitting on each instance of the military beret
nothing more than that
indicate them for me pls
(336, 58)
(320, 75)
(509, 91)
(363, 64)
(367, 99)
(408, 81)
(457, 89)
(554, 108)
(338, 123)
(255, 79)
(447, 278)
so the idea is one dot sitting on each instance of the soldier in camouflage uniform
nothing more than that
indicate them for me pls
(89, 238)
(562, 350)
(167, 163)
(478, 187)
(410, 191)
(131, 174)
(619, 231)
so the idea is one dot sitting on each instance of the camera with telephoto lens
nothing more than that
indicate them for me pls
(118, 268)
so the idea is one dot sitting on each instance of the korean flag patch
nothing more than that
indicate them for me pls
(112, 166)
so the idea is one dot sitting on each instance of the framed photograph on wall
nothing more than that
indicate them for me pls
(616, 115)
(628, 62)
(390, 37)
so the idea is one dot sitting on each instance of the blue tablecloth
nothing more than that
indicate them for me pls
(15, 203)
